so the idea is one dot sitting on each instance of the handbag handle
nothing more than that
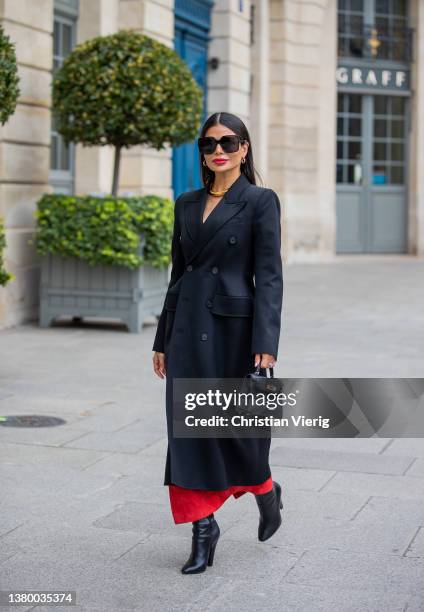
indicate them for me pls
(271, 371)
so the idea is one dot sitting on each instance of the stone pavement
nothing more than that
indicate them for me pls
(83, 506)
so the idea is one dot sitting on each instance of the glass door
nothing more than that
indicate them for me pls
(371, 173)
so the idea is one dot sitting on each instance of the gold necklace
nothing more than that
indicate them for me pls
(218, 193)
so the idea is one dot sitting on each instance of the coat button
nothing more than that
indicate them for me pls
(204, 336)
(232, 240)
(189, 268)
(209, 303)
(214, 270)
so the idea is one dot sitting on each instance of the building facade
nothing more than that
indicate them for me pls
(331, 92)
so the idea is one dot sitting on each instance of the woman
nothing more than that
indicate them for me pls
(221, 318)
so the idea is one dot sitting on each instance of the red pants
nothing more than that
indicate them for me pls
(189, 505)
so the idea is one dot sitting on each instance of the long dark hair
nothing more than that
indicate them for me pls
(238, 127)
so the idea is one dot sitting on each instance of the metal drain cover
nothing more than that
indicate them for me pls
(30, 420)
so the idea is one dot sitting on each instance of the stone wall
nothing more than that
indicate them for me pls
(283, 86)
(25, 139)
(302, 123)
(229, 85)
(25, 152)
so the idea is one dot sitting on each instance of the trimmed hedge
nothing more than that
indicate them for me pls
(106, 230)
(4, 276)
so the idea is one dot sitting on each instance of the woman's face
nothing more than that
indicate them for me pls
(233, 160)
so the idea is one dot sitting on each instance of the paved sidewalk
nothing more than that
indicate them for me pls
(83, 506)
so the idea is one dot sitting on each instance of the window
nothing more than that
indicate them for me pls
(377, 153)
(349, 137)
(351, 27)
(376, 29)
(388, 140)
(391, 25)
(62, 156)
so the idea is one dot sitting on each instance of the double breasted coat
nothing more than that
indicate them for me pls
(223, 305)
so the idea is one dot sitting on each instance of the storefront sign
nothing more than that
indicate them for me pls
(372, 78)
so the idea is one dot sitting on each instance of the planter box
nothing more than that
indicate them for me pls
(70, 286)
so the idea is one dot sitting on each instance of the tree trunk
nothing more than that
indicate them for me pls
(115, 182)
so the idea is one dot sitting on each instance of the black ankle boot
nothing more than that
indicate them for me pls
(205, 536)
(270, 506)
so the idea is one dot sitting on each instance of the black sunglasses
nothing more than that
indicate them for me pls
(229, 144)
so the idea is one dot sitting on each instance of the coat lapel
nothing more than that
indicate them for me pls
(193, 211)
(230, 204)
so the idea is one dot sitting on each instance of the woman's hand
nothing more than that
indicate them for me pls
(159, 364)
(267, 361)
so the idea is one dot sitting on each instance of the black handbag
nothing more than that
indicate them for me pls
(257, 382)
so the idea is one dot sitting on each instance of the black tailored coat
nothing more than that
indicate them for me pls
(222, 306)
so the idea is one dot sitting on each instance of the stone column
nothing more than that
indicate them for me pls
(94, 165)
(25, 152)
(144, 170)
(416, 151)
(260, 87)
(229, 86)
(327, 133)
(302, 124)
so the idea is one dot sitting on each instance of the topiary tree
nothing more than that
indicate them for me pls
(126, 89)
(9, 79)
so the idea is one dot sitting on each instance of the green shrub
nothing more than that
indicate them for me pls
(105, 230)
(4, 276)
(126, 89)
(9, 90)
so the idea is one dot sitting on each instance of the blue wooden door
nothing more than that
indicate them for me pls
(192, 23)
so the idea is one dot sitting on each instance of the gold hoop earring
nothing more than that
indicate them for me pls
(204, 162)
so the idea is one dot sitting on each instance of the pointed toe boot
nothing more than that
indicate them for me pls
(205, 536)
(270, 506)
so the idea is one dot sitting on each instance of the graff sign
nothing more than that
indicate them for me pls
(373, 78)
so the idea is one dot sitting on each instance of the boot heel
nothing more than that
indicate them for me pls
(212, 553)
(280, 497)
